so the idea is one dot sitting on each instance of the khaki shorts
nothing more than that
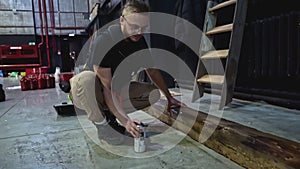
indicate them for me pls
(87, 94)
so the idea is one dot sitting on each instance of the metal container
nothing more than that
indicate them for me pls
(24, 83)
(33, 83)
(50, 81)
(139, 143)
(41, 81)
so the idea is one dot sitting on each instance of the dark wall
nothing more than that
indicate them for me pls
(270, 58)
(190, 10)
(269, 67)
(159, 41)
(16, 39)
(67, 46)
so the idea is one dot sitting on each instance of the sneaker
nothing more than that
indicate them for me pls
(117, 126)
(112, 121)
(108, 134)
(113, 133)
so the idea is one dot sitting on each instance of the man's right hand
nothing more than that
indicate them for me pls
(132, 128)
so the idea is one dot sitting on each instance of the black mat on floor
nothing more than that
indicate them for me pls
(68, 109)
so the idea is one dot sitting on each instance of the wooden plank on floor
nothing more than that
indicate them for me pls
(246, 146)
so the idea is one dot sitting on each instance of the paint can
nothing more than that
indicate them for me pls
(139, 143)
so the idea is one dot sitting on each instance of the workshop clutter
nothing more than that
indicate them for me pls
(37, 81)
(37, 78)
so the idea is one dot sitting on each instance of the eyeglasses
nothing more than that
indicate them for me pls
(134, 27)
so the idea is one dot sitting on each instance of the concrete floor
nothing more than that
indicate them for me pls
(32, 135)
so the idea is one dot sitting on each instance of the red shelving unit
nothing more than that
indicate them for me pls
(15, 55)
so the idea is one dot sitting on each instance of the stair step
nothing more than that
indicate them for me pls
(217, 54)
(220, 29)
(213, 79)
(222, 5)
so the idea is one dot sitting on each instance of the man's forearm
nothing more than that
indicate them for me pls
(115, 108)
(158, 80)
(105, 77)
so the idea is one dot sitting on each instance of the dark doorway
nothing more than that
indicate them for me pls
(67, 63)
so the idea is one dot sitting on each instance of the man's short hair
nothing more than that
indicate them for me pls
(135, 6)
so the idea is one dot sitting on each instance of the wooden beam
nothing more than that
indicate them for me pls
(246, 146)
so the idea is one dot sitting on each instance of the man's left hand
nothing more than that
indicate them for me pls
(172, 103)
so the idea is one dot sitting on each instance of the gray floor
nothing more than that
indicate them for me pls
(32, 135)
